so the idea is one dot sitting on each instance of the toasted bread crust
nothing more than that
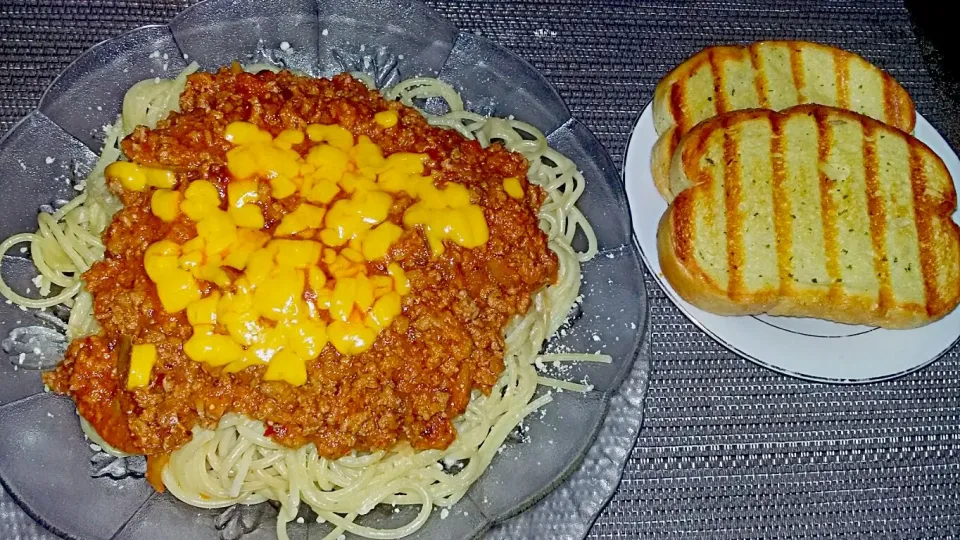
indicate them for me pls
(661, 160)
(675, 114)
(687, 278)
(937, 235)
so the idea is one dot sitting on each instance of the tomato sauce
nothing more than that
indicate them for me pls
(419, 374)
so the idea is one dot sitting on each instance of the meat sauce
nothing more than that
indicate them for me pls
(418, 375)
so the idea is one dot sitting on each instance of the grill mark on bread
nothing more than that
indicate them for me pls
(706, 179)
(781, 206)
(897, 103)
(760, 76)
(686, 201)
(683, 229)
(841, 68)
(676, 106)
(702, 284)
(877, 92)
(674, 141)
(733, 193)
(891, 100)
(828, 210)
(922, 213)
(877, 213)
(719, 96)
(796, 66)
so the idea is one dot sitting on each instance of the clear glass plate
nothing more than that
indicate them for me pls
(81, 493)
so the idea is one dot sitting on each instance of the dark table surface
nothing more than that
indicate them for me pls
(727, 449)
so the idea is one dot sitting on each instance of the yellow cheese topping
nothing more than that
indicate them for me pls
(165, 204)
(386, 119)
(513, 188)
(137, 177)
(291, 292)
(142, 358)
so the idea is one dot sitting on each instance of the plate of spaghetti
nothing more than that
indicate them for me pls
(276, 265)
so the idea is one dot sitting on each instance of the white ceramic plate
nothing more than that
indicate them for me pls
(807, 348)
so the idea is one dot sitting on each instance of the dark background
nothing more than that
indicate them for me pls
(937, 34)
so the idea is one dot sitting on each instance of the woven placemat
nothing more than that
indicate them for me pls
(728, 450)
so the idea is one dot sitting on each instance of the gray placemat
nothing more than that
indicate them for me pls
(728, 450)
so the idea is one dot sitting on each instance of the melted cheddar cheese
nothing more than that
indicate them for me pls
(291, 291)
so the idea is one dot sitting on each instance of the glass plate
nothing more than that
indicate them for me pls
(78, 492)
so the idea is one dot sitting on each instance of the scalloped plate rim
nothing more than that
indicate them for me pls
(490, 43)
(91, 50)
(567, 116)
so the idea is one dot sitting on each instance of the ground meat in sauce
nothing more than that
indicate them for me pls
(420, 372)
